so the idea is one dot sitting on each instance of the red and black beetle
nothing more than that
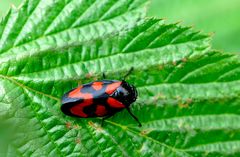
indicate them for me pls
(100, 99)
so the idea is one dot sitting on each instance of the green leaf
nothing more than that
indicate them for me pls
(188, 94)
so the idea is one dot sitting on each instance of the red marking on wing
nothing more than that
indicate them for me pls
(73, 93)
(97, 85)
(78, 109)
(112, 87)
(115, 103)
(101, 110)
(76, 93)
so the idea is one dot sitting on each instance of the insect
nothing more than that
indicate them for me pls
(102, 98)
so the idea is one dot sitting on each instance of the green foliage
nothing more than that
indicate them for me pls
(188, 93)
(218, 16)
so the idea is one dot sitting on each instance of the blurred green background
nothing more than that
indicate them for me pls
(221, 17)
(5, 5)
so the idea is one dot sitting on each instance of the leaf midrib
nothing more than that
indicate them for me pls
(28, 88)
(112, 55)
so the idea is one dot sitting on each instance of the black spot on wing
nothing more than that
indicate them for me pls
(67, 99)
(67, 106)
(97, 94)
(90, 110)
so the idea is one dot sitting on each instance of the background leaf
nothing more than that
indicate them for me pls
(188, 100)
(219, 17)
(5, 5)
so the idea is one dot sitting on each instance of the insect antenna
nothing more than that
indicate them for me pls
(128, 73)
(129, 111)
(104, 75)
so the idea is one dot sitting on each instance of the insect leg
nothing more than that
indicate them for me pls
(128, 73)
(128, 109)
(104, 118)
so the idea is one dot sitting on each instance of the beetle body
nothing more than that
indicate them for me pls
(99, 99)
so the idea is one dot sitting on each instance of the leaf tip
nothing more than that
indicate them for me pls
(68, 125)
(14, 7)
(77, 141)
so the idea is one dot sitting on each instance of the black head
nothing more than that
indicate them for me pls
(126, 93)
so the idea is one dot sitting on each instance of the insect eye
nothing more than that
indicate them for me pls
(125, 92)
(122, 91)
